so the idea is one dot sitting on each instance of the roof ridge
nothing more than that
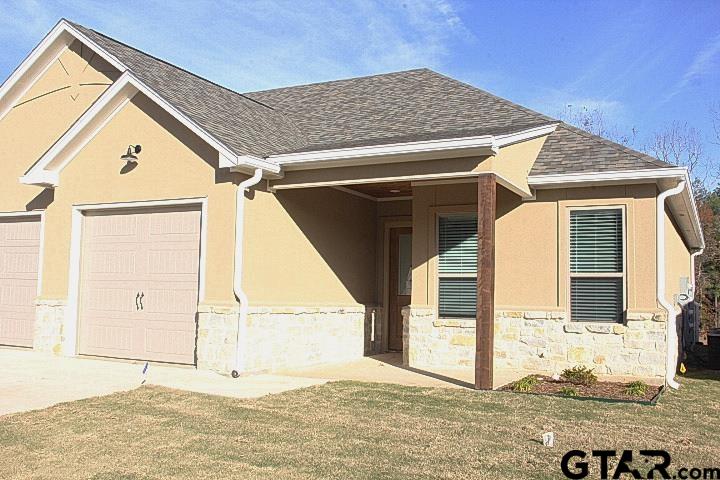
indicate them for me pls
(340, 80)
(169, 64)
(619, 147)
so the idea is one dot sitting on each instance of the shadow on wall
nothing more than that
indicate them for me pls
(342, 229)
(41, 200)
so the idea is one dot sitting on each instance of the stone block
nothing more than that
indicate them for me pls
(651, 358)
(579, 354)
(534, 341)
(465, 340)
(574, 328)
(601, 329)
(619, 329)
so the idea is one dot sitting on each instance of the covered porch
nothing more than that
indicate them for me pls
(433, 317)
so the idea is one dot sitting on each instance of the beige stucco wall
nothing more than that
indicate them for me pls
(41, 116)
(531, 242)
(514, 162)
(677, 259)
(309, 247)
(173, 164)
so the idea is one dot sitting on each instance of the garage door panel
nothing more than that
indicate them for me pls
(159, 260)
(170, 345)
(19, 266)
(173, 299)
(109, 339)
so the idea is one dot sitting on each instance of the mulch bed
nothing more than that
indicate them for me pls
(601, 390)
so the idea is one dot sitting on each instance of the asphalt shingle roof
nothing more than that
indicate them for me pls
(407, 106)
(571, 150)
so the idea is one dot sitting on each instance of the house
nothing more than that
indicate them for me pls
(151, 214)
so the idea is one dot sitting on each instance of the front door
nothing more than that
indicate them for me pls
(400, 279)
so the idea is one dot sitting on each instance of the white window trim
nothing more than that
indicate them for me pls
(72, 312)
(439, 275)
(570, 275)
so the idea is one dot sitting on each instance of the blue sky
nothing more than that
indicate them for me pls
(644, 64)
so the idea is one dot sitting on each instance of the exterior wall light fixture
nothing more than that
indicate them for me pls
(131, 155)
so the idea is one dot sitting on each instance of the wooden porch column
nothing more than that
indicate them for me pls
(485, 321)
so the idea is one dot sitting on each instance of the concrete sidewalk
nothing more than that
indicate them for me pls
(30, 380)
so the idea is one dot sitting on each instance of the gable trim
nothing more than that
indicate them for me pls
(46, 172)
(45, 54)
(40, 59)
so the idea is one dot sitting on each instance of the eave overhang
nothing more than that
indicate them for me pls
(682, 206)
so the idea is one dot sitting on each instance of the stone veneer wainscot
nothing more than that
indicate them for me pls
(540, 342)
(280, 337)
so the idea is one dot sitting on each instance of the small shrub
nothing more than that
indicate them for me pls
(579, 375)
(568, 392)
(525, 384)
(637, 388)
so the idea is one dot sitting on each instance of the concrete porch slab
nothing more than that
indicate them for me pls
(31, 380)
(388, 368)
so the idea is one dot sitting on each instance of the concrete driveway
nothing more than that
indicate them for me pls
(31, 380)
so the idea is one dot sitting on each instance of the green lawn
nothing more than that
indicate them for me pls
(349, 430)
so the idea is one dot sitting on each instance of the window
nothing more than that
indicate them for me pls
(597, 276)
(457, 266)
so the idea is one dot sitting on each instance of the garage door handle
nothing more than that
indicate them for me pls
(142, 295)
(137, 305)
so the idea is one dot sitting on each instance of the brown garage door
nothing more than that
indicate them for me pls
(139, 284)
(19, 260)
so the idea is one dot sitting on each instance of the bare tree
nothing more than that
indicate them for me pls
(680, 144)
(715, 118)
(593, 121)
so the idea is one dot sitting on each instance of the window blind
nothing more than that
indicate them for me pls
(596, 299)
(596, 241)
(457, 266)
(596, 265)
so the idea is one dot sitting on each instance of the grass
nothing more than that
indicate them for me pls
(348, 430)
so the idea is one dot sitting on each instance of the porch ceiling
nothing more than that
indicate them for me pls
(383, 190)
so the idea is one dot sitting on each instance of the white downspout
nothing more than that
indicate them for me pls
(237, 271)
(691, 290)
(671, 328)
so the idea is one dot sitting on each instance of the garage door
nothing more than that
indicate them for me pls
(139, 285)
(19, 260)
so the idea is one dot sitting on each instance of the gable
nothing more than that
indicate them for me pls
(173, 162)
(35, 121)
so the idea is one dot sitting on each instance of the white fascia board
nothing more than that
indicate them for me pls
(407, 151)
(524, 135)
(321, 158)
(685, 202)
(621, 176)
